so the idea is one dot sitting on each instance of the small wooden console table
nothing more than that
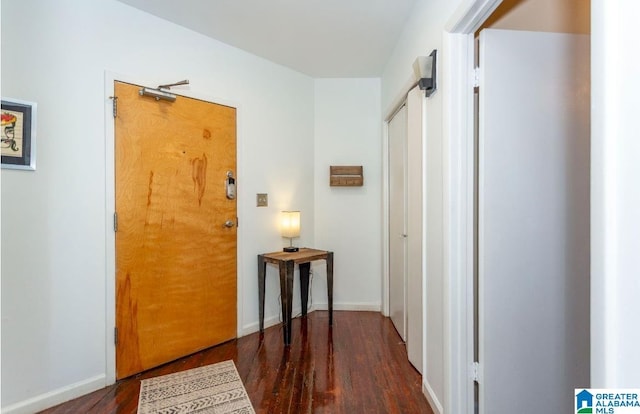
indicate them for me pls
(285, 262)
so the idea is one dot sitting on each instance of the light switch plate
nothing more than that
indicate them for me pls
(262, 200)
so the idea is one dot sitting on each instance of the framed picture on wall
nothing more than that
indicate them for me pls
(18, 134)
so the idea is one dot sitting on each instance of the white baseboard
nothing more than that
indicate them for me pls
(358, 307)
(255, 327)
(275, 320)
(432, 398)
(55, 397)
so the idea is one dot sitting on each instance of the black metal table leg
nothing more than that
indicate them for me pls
(330, 285)
(286, 293)
(304, 286)
(262, 268)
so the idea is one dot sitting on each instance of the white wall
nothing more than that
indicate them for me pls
(347, 219)
(615, 195)
(422, 34)
(54, 219)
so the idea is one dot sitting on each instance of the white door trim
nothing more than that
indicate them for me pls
(471, 15)
(110, 241)
(459, 169)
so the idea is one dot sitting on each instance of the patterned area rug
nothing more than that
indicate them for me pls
(215, 389)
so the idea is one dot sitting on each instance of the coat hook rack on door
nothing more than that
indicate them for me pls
(158, 93)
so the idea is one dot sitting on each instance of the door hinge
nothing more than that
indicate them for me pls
(237, 221)
(115, 222)
(115, 105)
(115, 336)
(476, 77)
(475, 372)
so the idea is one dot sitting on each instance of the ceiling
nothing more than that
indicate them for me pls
(320, 38)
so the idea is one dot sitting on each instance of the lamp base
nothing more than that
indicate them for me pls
(290, 249)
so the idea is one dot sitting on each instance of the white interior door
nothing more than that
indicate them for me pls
(415, 227)
(533, 220)
(398, 221)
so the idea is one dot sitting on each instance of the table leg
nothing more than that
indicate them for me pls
(262, 269)
(304, 286)
(286, 295)
(330, 285)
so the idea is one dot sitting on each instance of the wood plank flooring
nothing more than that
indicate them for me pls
(358, 366)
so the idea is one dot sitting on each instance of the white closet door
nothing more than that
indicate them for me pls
(533, 221)
(398, 221)
(415, 227)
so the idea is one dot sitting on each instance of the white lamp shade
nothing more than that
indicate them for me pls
(422, 67)
(290, 224)
(425, 70)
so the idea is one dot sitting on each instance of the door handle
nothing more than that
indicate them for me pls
(229, 223)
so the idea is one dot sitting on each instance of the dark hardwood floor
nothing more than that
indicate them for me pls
(358, 366)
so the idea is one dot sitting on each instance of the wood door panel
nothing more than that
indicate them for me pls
(175, 260)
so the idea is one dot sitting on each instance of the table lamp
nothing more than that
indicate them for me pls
(290, 228)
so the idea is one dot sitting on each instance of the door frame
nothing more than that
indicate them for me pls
(110, 240)
(458, 122)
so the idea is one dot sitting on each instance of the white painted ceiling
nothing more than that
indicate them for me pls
(320, 38)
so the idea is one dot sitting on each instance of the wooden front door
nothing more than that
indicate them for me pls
(175, 257)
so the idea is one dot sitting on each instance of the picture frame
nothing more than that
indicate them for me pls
(18, 134)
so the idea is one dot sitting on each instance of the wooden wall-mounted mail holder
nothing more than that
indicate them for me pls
(346, 176)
